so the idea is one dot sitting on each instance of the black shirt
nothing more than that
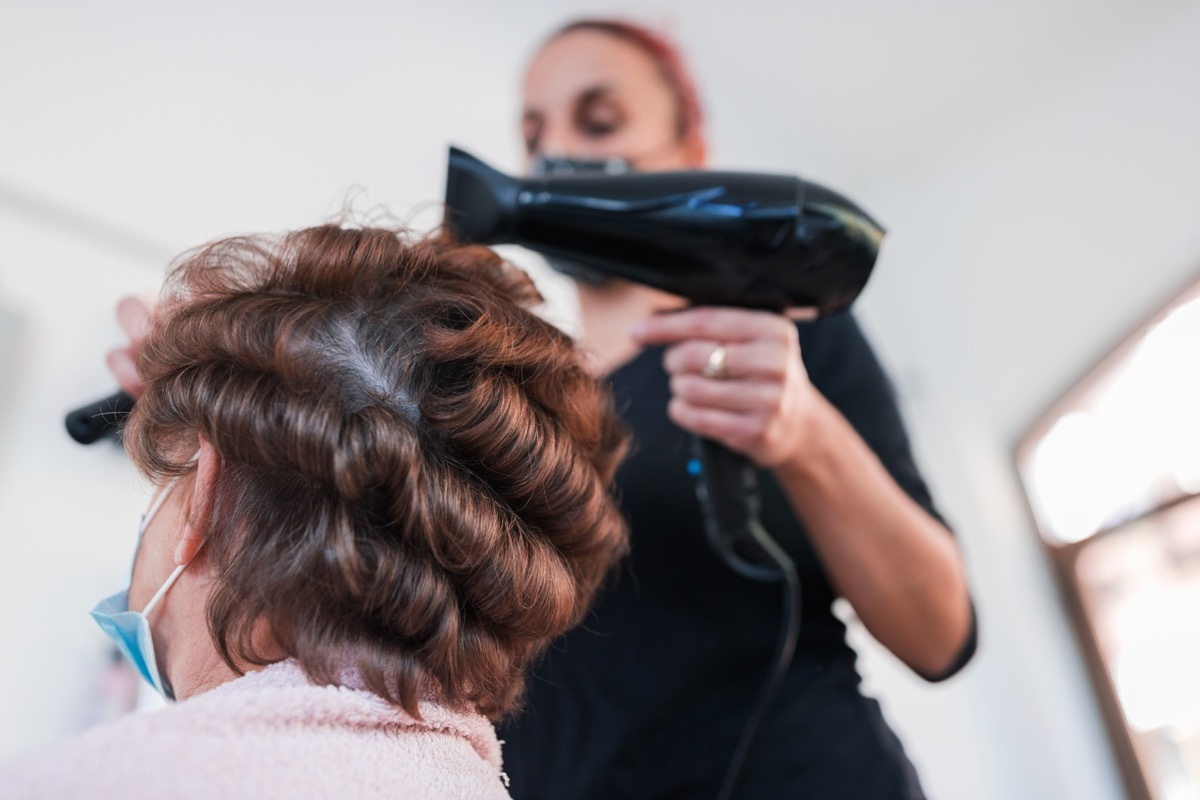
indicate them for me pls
(647, 699)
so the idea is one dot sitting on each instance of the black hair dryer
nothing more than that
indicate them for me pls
(718, 238)
(743, 239)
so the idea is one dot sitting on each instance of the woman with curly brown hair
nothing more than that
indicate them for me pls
(384, 487)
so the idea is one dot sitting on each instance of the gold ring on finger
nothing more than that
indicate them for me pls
(717, 365)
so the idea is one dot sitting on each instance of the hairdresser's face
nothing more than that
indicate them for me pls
(589, 95)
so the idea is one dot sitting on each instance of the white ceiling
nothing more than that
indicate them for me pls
(150, 126)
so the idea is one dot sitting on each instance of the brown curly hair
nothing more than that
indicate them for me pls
(415, 468)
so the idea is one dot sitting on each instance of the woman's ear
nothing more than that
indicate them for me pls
(199, 515)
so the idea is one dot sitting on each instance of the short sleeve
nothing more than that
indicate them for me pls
(844, 368)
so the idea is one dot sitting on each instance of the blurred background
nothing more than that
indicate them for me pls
(1035, 163)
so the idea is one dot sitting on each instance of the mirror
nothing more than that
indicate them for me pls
(1112, 477)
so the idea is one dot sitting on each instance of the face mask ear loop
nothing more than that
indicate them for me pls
(146, 521)
(158, 595)
(158, 502)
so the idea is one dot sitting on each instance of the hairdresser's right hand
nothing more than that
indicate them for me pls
(134, 316)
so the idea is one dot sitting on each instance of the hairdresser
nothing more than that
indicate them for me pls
(382, 489)
(649, 697)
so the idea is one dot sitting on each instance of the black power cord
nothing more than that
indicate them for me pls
(785, 647)
(727, 487)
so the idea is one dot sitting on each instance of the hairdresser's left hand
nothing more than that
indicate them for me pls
(135, 317)
(763, 406)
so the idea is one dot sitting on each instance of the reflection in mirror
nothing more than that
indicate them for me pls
(1141, 589)
(1129, 442)
(1112, 475)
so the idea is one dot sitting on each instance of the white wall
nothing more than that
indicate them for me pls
(1033, 162)
(1012, 268)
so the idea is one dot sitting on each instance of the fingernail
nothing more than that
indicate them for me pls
(638, 331)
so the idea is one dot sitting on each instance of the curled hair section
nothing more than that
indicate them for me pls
(416, 468)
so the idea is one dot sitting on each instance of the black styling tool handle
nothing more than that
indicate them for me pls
(727, 487)
(101, 419)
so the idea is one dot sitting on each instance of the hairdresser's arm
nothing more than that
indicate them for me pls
(897, 565)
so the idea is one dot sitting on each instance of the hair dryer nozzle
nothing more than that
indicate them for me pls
(479, 199)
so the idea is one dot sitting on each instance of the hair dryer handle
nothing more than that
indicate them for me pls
(103, 418)
(727, 487)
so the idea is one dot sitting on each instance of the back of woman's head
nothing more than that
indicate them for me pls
(415, 468)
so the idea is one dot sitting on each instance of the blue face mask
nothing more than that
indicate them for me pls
(130, 630)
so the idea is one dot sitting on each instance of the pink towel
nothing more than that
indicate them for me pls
(266, 735)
